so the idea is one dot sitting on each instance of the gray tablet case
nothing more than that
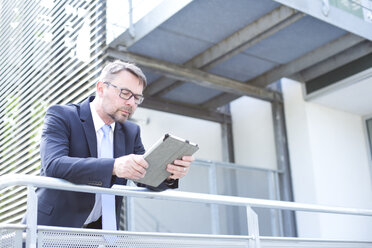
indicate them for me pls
(163, 152)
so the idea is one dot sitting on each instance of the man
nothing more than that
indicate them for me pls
(73, 148)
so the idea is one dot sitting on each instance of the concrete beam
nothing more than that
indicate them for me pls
(336, 61)
(288, 70)
(241, 40)
(248, 36)
(185, 110)
(219, 100)
(309, 59)
(199, 77)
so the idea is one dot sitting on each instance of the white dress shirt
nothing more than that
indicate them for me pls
(98, 124)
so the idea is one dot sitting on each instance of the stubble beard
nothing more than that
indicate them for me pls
(118, 116)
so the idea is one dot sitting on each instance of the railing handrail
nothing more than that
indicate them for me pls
(60, 184)
(228, 165)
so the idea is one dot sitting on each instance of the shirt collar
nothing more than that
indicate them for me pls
(97, 121)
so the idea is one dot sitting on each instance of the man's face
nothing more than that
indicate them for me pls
(112, 105)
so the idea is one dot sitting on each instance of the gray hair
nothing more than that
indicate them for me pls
(111, 69)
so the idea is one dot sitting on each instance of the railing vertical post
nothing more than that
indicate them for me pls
(31, 217)
(278, 211)
(215, 217)
(130, 211)
(276, 224)
(253, 229)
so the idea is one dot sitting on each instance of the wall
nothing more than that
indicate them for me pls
(154, 124)
(303, 175)
(254, 145)
(330, 166)
(253, 133)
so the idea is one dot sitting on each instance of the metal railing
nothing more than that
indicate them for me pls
(266, 188)
(36, 233)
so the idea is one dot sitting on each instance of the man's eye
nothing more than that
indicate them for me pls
(125, 93)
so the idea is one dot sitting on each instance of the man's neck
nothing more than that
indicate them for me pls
(105, 118)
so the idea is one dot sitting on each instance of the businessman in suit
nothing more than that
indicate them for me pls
(72, 149)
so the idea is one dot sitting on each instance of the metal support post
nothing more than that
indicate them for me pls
(278, 211)
(31, 217)
(130, 211)
(215, 215)
(229, 175)
(227, 136)
(285, 180)
(276, 223)
(253, 228)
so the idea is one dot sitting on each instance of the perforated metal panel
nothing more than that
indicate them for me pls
(269, 242)
(10, 238)
(51, 53)
(57, 239)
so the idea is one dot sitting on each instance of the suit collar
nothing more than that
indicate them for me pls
(85, 113)
(88, 125)
(90, 132)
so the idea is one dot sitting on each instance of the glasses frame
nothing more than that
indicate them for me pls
(138, 98)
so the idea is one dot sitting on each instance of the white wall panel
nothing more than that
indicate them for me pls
(254, 141)
(330, 166)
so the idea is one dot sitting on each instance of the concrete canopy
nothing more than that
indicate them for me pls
(200, 55)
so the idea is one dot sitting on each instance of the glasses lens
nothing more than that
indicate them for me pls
(139, 99)
(127, 94)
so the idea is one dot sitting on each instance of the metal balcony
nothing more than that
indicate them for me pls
(33, 235)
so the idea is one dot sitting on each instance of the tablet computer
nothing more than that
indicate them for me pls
(164, 152)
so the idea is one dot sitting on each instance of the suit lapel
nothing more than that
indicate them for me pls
(119, 138)
(119, 149)
(88, 126)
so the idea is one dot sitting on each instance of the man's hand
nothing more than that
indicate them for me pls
(179, 168)
(130, 167)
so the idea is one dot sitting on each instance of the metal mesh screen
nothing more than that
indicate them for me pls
(54, 239)
(311, 243)
(51, 53)
(10, 238)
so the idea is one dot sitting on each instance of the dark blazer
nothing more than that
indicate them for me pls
(69, 151)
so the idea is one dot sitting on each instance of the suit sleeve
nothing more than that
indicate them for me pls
(55, 153)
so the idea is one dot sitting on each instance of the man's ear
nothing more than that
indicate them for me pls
(99, 88)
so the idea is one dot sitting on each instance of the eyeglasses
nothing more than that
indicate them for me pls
(127, 94)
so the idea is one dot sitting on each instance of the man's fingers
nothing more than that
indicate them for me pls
(138, 159)
(182, 163)
(177, 171)
(131, 167)
(135, 172)
(188, 158)
(180, 168)
(139, 169)
(140, 165)
(138, 175)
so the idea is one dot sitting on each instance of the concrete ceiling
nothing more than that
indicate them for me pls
(353, 94)
(201, 55)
